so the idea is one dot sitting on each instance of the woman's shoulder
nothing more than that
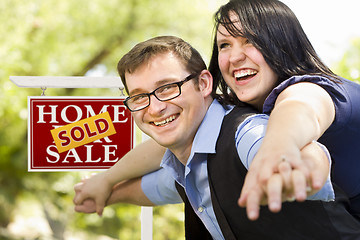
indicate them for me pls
(340, 89)
(344, 93)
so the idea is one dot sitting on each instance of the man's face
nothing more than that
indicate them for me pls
(173, 123)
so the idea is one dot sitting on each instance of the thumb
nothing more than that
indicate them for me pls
(250, 180)
(100, 205)
(99, 209)
(243, 197)
(318, 178)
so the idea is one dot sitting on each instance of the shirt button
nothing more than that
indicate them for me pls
(200, 209)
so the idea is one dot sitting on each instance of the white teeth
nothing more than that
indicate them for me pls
(169, 119)
(244, 73)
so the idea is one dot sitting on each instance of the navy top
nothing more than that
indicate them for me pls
(342, 138)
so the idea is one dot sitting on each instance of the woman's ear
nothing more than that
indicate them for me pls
(205, 82)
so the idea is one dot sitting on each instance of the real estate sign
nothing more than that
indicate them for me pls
(77, 133)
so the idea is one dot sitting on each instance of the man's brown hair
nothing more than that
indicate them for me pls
(143, 52)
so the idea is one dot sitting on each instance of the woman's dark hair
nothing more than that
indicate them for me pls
(275, 31)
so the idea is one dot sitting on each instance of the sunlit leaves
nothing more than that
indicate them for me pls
(66, 38)
(349, 66)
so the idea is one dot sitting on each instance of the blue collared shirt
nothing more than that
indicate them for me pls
(159, 186)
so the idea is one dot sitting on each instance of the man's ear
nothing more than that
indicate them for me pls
(205, 82)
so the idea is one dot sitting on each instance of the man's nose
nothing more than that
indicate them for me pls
(156, 106)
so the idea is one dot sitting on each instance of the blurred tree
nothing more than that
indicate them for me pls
(349, 66)
(70, 38)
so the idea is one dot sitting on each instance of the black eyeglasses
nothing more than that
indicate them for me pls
(162, 93)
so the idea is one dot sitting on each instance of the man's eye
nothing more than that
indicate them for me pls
(139, 98)
(166, 89)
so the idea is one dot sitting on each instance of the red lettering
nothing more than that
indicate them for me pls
(62, 136)
(88, 131)
(73, 135)
(105, 124)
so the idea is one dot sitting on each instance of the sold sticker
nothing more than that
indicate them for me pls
(82, 132)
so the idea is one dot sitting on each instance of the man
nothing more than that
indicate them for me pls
(170, 98)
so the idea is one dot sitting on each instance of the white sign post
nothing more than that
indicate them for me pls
(44, 82)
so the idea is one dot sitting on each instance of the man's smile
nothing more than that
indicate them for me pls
(165, 121)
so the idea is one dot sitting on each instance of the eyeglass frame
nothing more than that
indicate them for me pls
(179, 84)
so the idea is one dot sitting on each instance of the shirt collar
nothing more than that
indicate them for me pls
(206, 136)
(208, 132)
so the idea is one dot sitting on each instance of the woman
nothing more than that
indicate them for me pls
(261, 52)
(259, 45)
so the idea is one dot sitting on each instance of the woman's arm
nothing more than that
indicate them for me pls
(144, 158)
(302, 113)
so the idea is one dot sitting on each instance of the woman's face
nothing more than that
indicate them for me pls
(244, 69)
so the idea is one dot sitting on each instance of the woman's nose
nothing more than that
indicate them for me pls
(237, 54)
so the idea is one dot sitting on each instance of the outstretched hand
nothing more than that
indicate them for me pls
(293, 178)
(87, 206)
(91, 194)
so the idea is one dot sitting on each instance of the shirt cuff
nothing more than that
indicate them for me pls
(249, 136)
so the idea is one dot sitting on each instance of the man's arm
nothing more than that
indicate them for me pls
(156, 188)
(144, 158)
(128, 191)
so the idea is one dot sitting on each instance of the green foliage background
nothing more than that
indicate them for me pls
(76, 38)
